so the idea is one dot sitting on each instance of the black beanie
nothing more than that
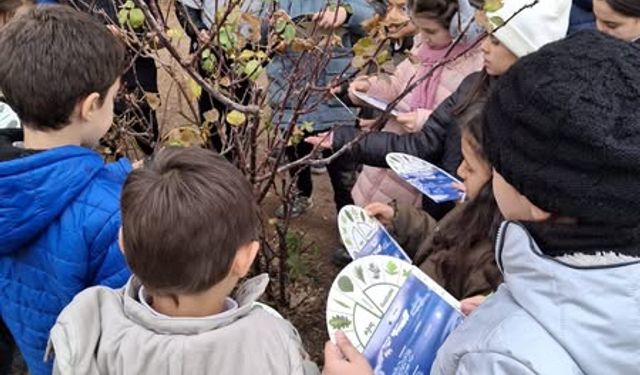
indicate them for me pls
(563, 127)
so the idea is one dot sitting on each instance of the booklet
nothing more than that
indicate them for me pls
(393, 313)
(375, 102)
(432, 181)
(363, 235)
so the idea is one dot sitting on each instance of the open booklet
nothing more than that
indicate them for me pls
(432, 181)
(375, 102)
(393, 313)
(363, 235)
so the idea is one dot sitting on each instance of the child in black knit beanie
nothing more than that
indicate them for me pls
(562, 130)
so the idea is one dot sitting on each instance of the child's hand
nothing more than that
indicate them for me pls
(468, 305)
(138, 164)
(409, 121)
(383, 212)
(329, 19)
(366, 124)
(344, 358)
(322, 140)
(361, 84)
(204, 37)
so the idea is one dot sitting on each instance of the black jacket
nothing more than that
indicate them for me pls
(438, 142)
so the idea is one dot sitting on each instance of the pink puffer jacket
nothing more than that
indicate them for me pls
(383, 185)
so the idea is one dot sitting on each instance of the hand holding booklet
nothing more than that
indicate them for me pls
(375, 102)
(363, 235)
(396, 315)
(393, 313)
(432, 181)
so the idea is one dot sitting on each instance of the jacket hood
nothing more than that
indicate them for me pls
(35, 190)
(591, 311)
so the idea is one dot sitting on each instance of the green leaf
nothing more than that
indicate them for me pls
(306, 126)
(123, 15)
(497, 21)
(342, 304)
(252, 69)
(136, 18)
(392, 268)
(280, 26)
(360, 273)
(206, 53)
(491, 6)
(207, 66)
(339, 322)
(289, 33)
(345, 284)
(129, 4)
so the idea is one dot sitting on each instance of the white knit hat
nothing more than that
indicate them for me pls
(532, 28)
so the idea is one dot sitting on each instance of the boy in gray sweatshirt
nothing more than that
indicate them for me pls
(189, 233)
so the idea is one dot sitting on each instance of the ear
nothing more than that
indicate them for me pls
(121, 240)
(538, 214)
(244, 258)
(89, 105)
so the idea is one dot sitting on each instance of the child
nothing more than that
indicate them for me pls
(189, 233)
(432, 18)
(457, 252)
(564, 147)
(197, 18)
(317, 70)
(438, 141)
(59, 210)
(618, 18)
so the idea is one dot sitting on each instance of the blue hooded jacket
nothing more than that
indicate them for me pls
(59, 219)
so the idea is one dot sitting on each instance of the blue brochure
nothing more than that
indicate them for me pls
(363, 235)
(415, 325)
(432, 181)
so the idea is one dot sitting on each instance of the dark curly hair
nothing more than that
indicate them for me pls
(442, 10)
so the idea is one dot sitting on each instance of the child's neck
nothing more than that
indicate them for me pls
(41, 140)
(209, 302)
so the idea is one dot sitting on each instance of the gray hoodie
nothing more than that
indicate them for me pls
(107, 331)
(549, 317)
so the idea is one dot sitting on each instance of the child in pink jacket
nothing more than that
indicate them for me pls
(432, 18)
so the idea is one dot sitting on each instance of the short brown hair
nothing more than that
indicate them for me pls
(53, 57)
(184, 216)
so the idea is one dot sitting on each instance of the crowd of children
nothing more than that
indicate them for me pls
(116, 269)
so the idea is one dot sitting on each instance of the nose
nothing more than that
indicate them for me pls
(484, 46)
(462, 171)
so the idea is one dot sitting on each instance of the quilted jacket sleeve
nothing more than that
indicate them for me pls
(427, 144)
(484, 363)
(107, 265)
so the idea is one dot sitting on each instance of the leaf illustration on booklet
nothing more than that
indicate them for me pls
(432, 181)
(363, 235)
(397, 317)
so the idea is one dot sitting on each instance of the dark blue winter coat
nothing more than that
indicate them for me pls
(59, 219)
(328, 111)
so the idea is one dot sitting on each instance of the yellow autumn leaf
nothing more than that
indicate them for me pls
(194, 88)
(236, 118)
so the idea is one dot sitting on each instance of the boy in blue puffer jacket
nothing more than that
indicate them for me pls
(59, 202)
